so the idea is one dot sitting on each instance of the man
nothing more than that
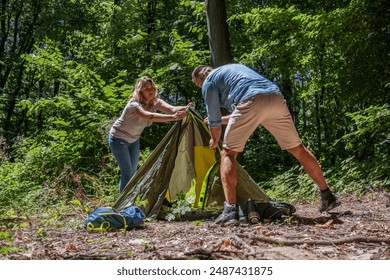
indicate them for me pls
(252, 100)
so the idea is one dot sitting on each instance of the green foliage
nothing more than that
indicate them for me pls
(369, 137)
(140, 203)
(41, 234)
(144, 154)
(5, 250)
(6, 235)
(368, 145)
(180, 206)
(292, 185)
(69, 152)
(18, 190)
(197, 223)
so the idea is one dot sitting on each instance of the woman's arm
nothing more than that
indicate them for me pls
(167, 108)
(157, 117)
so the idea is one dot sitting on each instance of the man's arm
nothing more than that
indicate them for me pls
(224, 120)
(215, 136)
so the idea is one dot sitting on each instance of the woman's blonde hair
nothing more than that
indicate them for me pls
(137, 95)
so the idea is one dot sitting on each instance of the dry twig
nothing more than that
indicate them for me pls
(354, 239)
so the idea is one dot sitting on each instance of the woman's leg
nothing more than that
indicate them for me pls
(134, 151)
(121, 153)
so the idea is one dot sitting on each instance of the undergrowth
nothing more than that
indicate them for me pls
(349, 176)
(25, 191)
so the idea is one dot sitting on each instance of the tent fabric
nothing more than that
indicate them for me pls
(182, 162)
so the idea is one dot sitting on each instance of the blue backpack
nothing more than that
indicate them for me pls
(106, 218)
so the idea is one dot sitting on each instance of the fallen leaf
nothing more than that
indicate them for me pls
(226, 245)
(353, 228)
(71, 248)
(269, 233)
(327, 225)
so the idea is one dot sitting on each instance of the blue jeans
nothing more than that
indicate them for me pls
(127, 156)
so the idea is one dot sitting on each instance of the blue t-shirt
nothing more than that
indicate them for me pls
(230, 84)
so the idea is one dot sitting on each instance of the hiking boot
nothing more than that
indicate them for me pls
(242, 215)
(228, 216)
(328, 201)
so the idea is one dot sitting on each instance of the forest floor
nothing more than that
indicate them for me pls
(358, 229)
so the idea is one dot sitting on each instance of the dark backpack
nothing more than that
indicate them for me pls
(106, 218)
(272, 210)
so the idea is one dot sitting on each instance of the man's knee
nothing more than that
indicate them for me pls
(229, 153)
(298, 151)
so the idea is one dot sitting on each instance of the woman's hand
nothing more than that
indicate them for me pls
(179, 115)
(190, 105)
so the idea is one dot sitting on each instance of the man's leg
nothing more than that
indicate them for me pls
(229, 175)
(280, 124)
(228, 170)
(310, 164)
(313, 169)
(242, 122)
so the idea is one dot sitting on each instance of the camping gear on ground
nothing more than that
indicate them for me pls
(106, 218)
(272, 210)
(253, 214)
(184, 163)
(257, 211)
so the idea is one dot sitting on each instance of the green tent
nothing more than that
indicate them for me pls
(184, 163)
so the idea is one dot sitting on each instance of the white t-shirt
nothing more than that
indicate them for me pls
(129, 126)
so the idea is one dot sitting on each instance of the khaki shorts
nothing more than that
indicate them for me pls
(268, 110)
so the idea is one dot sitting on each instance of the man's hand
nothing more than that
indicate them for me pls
(213, 144)
(215, 136)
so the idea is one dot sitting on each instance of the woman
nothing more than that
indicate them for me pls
(139, 113)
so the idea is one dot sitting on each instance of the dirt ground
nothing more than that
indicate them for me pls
(358, 229)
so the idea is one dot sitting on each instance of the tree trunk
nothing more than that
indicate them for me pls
(218, 32)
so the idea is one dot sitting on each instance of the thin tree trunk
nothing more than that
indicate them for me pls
(218, 32)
